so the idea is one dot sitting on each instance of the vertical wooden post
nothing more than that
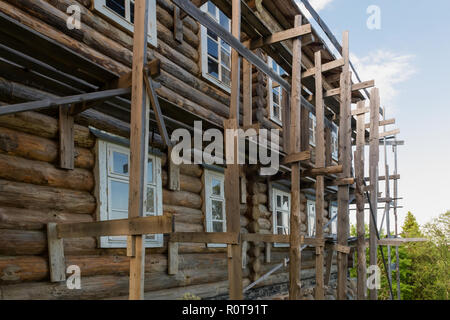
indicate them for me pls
(66, 139)
(345, 161)
(232, 171)
(360, 203)
(177, 25)
(320, 163)
(286, 119)
(396, 220)
(373, 174)
(138, 147)
(247, 90)
(295, 141)
(57, 262)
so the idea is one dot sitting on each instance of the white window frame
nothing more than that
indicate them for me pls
(204, 52)
(278, 70)
(286, 214)
(125, 22)
(106, 175)
(335, 142)
(312, 131)
(311, 216)
(209, 197)
(333, 224)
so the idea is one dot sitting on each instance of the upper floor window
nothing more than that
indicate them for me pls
(216, 54)
(335, 142)
(113, 172)
(275, 94)
(281, 212)
(311, 214)
(312, 129)
(122, 13)
(215, 203)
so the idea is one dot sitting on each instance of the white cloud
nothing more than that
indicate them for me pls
(388, 69)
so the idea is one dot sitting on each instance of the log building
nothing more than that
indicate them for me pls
(69, 82)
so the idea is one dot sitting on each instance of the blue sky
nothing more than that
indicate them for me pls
(409, 60)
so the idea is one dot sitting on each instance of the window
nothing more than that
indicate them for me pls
(311, 207)
(113, 172)
(281, 213)
(215, 203)
(122, 13)
(216, 54)
(334, 142)
(333, 226)
(275, 94)
(312, 129)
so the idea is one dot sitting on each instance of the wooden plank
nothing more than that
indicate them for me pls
(267, 253)
(389, 133)
(400, 241)
(341, 248)
(119, 227)
(345, 133)
(56, 258)
(325, 67)
(373, 173)
(383, 178)
(247, 91)
(355, 87)
(328, 264)
(286, 120)
(324, 171)
(360, 204)
(173, 173)
(383, 123)
(362, 111)
(172, 259)
(60, 101)
(297, 157)
(281, 36)
(295, 140)
(205, 237)
(177, 25)
(232, 201)
(320, 163)
(138, 146)
(197, 3)
(204, 19)
(66, 139)
(342, 182)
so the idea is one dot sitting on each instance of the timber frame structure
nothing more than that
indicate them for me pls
(88, 89)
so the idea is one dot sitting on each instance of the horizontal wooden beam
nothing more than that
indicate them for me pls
(389, 133)
(323, 171)
(400, 241)
(122, 227)
(325, 67)
(281, 36)
(62, 101)
(383, 123)
(279, 238)
(205, 20)
(341, 248)
(357, 112)
(355, 87)
(342, 182)
(297, 157)
(383, 178)
(205, 237)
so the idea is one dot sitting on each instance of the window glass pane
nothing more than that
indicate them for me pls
(150, 171)
(216, 187)
(119, 195)
(285, 203)
(115, 215)
(279, 218)
(213, 48)
(132, 12)
(118, 6)
(281, 231)
(211, 8)
(150, 200)
(276, 112)
(120, 163)
(212, 35)
(278, 201)
(213, 68)
(217, 226)
(225, 46)
(216, 209)
(224, 21)
(225, 58)
(226, 76)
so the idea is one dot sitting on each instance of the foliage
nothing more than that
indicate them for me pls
(424, 266)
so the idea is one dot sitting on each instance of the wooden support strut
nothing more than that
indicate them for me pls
(281, 36)
(66, 139)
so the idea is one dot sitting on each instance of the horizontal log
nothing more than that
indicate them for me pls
(342, 182)
(281, 36)
(323, 171)
(21, 242)
(187, 183)
(24, 219)
(184, 214)
(120, 227)
(182, 198)
(44, 126)
(205, 237)
(27, 196)
(43, 173)
(16, 143)
(297, 157)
